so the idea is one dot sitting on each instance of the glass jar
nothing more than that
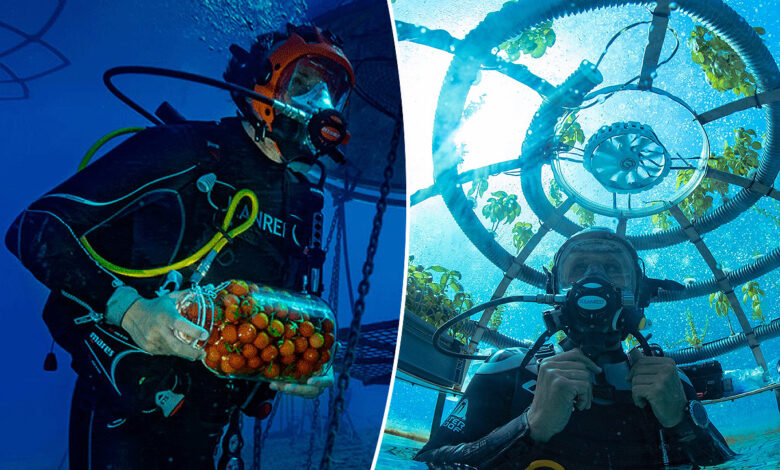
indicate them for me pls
(261, 333)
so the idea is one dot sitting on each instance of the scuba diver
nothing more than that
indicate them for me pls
(583, 403)
(141, 400)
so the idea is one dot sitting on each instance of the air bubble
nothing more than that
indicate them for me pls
(654, 74)
(452, 47)
(673, 6)
(601, 99)
(423, 30)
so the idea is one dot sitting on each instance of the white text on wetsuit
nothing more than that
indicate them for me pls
(99, 343)
(266, 222)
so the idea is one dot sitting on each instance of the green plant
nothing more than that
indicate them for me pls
(720, 302)
(556, 196)
(501, 207)
(478, 188)
(661, 220)
(752, 291)
(521, 233)
(722, 67)
(738, 158)
(692, 334)
(571, 133)
(436, 295)
(533, 42)
(586, 218)
(497, 318)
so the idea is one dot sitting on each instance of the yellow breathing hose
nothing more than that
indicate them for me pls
(102, 141)
(217, 242)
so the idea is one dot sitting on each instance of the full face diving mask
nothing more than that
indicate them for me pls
(320, 88)
(599, 275)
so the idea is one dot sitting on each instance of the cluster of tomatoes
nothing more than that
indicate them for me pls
(254, 332)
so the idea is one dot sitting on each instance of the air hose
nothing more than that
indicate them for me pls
(103, 140)
(212, 248)
(209, 250)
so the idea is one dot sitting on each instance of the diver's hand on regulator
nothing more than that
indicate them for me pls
(654, 380)
(311, 389)
(154, 323)
(564, 382)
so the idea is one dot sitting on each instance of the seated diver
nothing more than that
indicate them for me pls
(583, 403)
(140, 400)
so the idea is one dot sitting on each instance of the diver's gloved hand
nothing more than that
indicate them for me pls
(565, 381)
(311, 389)
(156, 326)
(654, 380)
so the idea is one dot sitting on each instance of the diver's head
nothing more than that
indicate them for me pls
(304, 68)
(597, 252)
(600, 273)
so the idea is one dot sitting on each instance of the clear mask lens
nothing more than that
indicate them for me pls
(597, 256)
(315, 84)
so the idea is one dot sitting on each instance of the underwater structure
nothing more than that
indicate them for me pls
(366, 189)
(545, 118)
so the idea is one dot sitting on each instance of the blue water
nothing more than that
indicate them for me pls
(45, 136)
(502, 109)
(756, 451)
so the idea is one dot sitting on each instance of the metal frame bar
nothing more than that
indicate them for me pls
(725, 287)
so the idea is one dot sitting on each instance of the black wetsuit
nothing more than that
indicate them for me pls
(488, 429)
(139, 207)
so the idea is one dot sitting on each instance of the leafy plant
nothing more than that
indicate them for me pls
(661, 220)
(497, 318)
(478, 188)
(556, 196)
(501, 207)
(752, 292)
(739, 159)
(723, 68)
(533, 42)
(571, 133)
(521, 233)
(436, 295)
(586, 218)
(720, 302)
(692, 334)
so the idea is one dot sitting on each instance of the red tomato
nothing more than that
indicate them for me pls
(247, 333)
(316, 340)
(238, 288)
(306, 329)
(229, 333)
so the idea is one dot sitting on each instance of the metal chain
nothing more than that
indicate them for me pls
(256, 449)
(359, 307)
(260, 436)
(332, 227)
(315, 431)
(276, 406)
(333, 293)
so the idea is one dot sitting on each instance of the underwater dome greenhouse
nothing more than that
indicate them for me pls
(527, 122)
